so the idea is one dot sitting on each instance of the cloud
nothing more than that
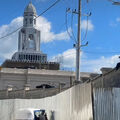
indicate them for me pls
(67, 59)
(46, 34)
(96, 64)
(10, 43)
(87, 24)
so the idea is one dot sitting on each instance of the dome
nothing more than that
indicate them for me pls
(30, 8)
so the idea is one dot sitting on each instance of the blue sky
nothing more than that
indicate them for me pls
(103, 32)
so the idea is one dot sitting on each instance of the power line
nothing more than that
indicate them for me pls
(35, 18)
(49, 8)
(66, 22)
(10, 33)
(72, 27)
(85, 36)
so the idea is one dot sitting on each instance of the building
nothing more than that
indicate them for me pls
(29, 67)
(29, 54)
(33, 78)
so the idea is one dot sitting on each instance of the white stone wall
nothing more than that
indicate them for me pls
(73, 104)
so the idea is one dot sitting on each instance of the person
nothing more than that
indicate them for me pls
(36, 118)
(42, 116)
(46, 117)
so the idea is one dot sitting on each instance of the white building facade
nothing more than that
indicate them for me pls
(29, 39)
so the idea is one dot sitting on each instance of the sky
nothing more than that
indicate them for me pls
(59, 32)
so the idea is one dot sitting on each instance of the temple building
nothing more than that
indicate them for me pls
(29, 54)
(29, 68)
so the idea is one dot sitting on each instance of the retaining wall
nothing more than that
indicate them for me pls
(72, 104)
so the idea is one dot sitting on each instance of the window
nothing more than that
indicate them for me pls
(26, 21)
(24, 57)
(38, 58)
(31, 21)
(31, 36)
(29, 57)
(34, 21)
(33, 57)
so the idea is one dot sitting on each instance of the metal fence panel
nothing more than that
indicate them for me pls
(106, 103)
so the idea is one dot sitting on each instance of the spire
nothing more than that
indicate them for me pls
(29, 15)
(30, 8)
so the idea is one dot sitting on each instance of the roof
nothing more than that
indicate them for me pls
(30, 8)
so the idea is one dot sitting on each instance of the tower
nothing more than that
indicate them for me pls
(29, 38)
(29, 54)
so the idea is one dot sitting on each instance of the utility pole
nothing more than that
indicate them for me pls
(78, 43)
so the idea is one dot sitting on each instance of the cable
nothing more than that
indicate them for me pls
(10, 33)
(85, 36)
(72, 28)
(67, 26)
(49, 8)
(35, 18)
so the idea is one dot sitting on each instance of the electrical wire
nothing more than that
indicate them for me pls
(48, 8)
(85, 36)
(35, 18)
(72, 28)
(66, 22)
(10, 33)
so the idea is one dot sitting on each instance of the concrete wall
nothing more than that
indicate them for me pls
(72, 104)
(18, 78)
(109, 79)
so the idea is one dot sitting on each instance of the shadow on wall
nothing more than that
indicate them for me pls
(52, 117)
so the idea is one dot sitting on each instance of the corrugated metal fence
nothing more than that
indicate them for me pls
(106, 103)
